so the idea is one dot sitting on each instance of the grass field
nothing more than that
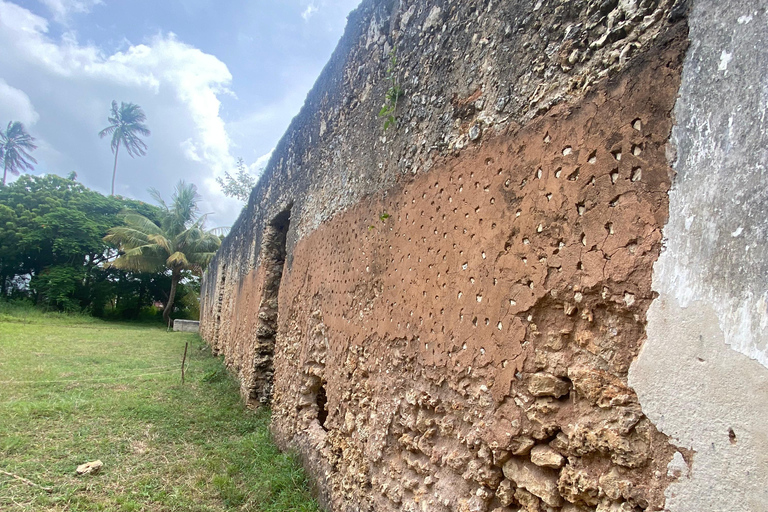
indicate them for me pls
(74, 389)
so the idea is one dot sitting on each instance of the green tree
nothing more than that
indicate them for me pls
(126, 125)
(238, 185)
(15, 145)
(178, 242)
(51, 238)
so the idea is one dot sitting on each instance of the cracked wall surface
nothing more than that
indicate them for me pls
(459, 299)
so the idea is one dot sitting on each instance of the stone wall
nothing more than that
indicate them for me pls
(444, 314)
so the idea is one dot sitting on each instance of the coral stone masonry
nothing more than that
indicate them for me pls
(451, 314)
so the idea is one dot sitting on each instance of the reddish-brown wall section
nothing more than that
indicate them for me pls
(235, 334)
(473, 329)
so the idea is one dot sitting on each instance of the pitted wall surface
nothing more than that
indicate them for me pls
(474, 346)
(463, 295)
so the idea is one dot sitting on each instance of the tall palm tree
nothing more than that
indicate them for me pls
(126, 124)
(15, 145)
(179, 242)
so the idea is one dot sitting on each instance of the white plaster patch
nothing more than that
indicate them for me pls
(701, 375)
(677, 467)
(708, 399)
(725, 58)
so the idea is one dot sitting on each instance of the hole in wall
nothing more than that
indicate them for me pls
(321, 400)
(273, 258)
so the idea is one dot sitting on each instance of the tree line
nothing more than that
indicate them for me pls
(67, 247)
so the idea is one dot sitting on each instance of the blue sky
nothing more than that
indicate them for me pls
(218, 80)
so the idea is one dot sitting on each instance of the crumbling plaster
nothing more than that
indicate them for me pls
(702, 375)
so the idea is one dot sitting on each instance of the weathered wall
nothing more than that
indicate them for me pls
(444, 314)
(702, 376)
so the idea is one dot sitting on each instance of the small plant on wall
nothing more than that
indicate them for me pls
(382, 217)
(394, 92)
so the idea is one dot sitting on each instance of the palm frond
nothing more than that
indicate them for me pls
(163, 242)
(133, 144)
(177, 259)
(135, 232)
(203, 259)
(151, 252)
(141, 223)
(125, 127)
(178, 242)
(125, 237)
(138, 260)
(107, 131)
(157, 197)
(15, 145)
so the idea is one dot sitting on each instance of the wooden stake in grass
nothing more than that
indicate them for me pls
(28, 482)
(183, 361)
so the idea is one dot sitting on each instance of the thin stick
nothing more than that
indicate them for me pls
(28, 482)
(183, 361)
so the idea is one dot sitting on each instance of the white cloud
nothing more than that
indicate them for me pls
(190, 150)
(256, 167)
(15, 105)
(63, 9)
(309, 11)
(197, 79)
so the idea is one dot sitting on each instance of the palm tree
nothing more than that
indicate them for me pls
(125, 125)
(179, 242)
(15, 144)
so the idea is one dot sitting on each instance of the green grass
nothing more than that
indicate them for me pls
(74, 389)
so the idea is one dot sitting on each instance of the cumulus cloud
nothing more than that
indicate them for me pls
(15, 105)
(190, 150)
(71, 86)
